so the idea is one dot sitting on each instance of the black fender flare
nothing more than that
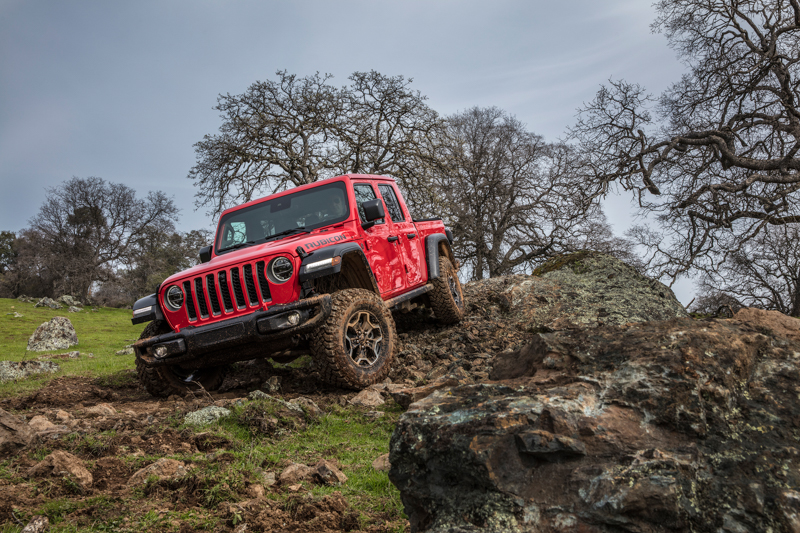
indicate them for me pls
(331, 253)
(432, 252)
(149, 308)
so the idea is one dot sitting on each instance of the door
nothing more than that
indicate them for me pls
(408, 241)
(381, 247)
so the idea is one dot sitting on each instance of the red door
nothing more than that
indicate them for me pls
(381, 248)
(408, 241)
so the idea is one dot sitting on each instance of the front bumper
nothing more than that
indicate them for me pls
(260, 333)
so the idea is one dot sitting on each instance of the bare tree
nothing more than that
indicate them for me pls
(86, 228)
(764, 272)
(293, 131)
(715, 158)
(511, 199)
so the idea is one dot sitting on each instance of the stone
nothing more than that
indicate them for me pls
(675, 425)
(38, 524)
(100, 410)
(326, 473)
(775, 321)
(162, 469)
(63, 416)
(207, 415)
(295, 473)
(272, 385)
(73, 309)
(61, 463)
(15, 434)
(69, 301)
(48, 302)
(381, 463)
(16, 370)
(39, 423)
(367, 398)
(405, 397)
(127, 350)
(56, 334)
(308, 406)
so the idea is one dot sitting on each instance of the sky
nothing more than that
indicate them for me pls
(123, 90)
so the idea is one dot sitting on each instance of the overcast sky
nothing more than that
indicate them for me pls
(122, 90)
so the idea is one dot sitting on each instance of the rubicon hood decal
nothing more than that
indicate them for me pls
(322, 242)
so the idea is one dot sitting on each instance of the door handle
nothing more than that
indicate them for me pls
(411, 235)
(392, 238)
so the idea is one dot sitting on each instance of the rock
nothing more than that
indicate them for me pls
(61, 463)
(39, 423)
(269, 479)
(381, 464)
(256, 491)
(406, 397)
(295, 473)
(128, 350)
(163, 469)
(326, 473)
(677, 425)
(207, 415)
(14, 434)
(367, 398)
(38, 524)
(258, 395)
(18, 315)
(63, 416)
(27, 299)
(47, 302)
(73, 309)
(101, 409)
(57, 334)
(69, 301)
(16, 370)
(308, 406)
(273, 384)
(775, 321)
(296, 487)
(373, 415)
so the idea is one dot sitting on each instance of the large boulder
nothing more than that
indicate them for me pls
(580, 290)
(56, 334)
(659, 426)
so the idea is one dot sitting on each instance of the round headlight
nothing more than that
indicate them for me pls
(174, 298)
(280, 270)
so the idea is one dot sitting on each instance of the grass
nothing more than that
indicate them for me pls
(101, 333)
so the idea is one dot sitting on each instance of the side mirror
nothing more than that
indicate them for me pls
(205, 254)
(373, 211)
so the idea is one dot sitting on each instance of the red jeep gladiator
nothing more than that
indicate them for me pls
(312, 270)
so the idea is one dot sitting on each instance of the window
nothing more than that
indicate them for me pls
(364, 193)
(395, 211)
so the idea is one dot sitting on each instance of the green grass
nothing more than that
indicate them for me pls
(100, 332)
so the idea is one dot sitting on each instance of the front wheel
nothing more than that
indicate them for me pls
(164, 381)
(356, 344)
(447, 297)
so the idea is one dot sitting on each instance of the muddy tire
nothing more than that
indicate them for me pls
(355, 346)
(168, 380)
(447, 297)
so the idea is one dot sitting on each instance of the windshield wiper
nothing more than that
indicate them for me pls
(287, 232)
(235, 246)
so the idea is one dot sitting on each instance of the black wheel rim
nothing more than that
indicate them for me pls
(453, 284)
(363, 339)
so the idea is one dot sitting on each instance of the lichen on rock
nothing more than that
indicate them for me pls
(56, 334)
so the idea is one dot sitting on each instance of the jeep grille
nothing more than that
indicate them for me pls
(214, 293)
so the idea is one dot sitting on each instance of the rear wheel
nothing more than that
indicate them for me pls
(356, 344)
(447, 297)
(164, 381)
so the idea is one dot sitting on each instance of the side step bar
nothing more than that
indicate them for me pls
(408, 296)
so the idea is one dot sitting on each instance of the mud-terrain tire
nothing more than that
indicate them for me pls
(355, 346)
(168, 380)
(447, 297)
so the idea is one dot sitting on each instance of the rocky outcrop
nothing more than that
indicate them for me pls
(659, 426)
(56, 334)
(14, 370)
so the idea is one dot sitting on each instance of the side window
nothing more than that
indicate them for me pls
(395, 211)
(364, 193)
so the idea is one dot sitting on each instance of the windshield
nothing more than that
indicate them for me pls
(300, 212)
